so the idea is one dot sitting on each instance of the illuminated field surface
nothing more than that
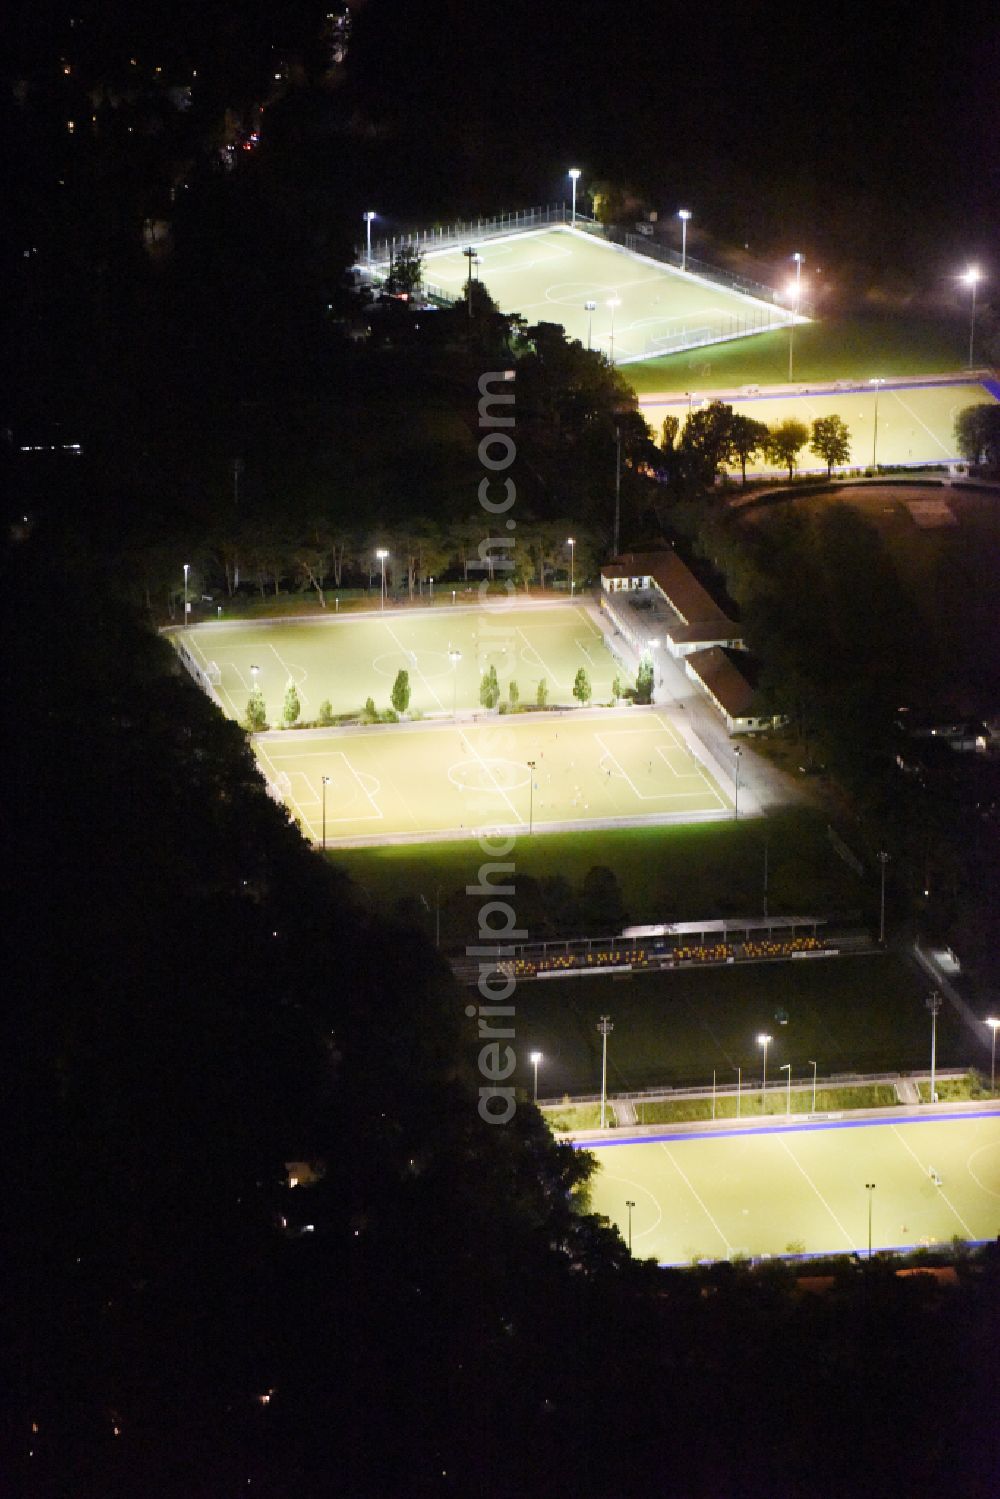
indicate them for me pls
(777, 1190)
(915, 421)
(551, 275)
(444, 780)
(346, 660)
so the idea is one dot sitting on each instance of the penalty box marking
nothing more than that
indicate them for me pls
(375, 815)
(642, 796)
(923, 1172)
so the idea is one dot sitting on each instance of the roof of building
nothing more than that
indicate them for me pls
(673, 577)
(724, 680)
(710, 630)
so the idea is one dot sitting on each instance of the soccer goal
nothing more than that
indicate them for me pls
(213, 673)
(280, 788)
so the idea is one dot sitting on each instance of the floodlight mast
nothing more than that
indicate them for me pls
(994, 1025)
(972, 277)
(382, 554)
(605, 1026)
(574, 177)
(536, 1057)
(764, 1041)
(684, 214)
(369, 217)
(797, 294)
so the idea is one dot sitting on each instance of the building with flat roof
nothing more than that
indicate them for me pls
(699, 621)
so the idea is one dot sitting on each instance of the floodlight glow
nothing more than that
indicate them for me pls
(536, 1057)
(574, 172)
(381, 552)
(763, 1040)
(972, 275)
(684, 213)
(992, 1022)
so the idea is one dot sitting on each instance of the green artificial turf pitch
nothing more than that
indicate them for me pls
(346, 659)
(550, 275)
(916, 422)
(411, 780)
(775, 1189)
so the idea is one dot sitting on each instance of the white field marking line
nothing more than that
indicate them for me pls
(541, 660)
(700, 1201)
(910, 411)
(698, 773)
(222, 691)
(663, 750)
(407, 654)
(656, 796)
(288, 674)
(376, 815)
(923, 1172)
(805, 1173)
(470, 747)
(638, 1187)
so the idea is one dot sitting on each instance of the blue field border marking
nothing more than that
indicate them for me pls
(907, 1251)
(993, 386)
(825, 388)
(783, 1129)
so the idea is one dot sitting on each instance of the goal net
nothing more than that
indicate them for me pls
(280, 788)
(213, 673)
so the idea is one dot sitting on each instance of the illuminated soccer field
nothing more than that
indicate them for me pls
(348, 659)
(777, 1190)
(916, 420)
(550, 275)
(445, 780)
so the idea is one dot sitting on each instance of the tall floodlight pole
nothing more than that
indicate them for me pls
(605, 1027)
(325, 780)
(870, 1188)
(590, 308)
(797, 294)
(630, 1205)
(738, 755)
(618, 482)
(382, 554)
(684, 214)
(764, 1041)
(454, 656)
(369, 219)
(994, 1025)
(531, 796)
(536, 1057)
(739, 1089)
(613, 302)
(574, 177)
(470, 255)
(883, 859)
(934, 1005)
(813, 1066)
(572, 565)
(972, 277)
(187, 606)
(877, 382)
(787, 1067)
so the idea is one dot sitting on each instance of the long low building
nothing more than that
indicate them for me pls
(724, 681)
(700, 622)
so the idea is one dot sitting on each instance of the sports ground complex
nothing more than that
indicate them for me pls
(774, 1189)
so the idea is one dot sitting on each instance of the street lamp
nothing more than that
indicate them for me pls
(630, 1205)
(572, 565)
(325, 782)
(382, 554)
(613, 302)
(454, 656)
(531, 795)
(432, 590)
(591, 308)
(684, 214)
(605, 1027)
(787, 1067)
(369, 217)
(876, 382)
(187, 606)
(796, 290)
(972, 277)
(764, 1040)
(813, 1066)
(934, 1005)
(869, 1188)
(994, 1025)
(738, 753)
(574, 177)
(536, 1057)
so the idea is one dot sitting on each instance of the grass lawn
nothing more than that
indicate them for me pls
(346, 660)
(550, 275)
(916, 423)
(675, 873)
(752, 1104)
(849, 348)
(776, 1190)
(849, 1014)
(515, 772)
